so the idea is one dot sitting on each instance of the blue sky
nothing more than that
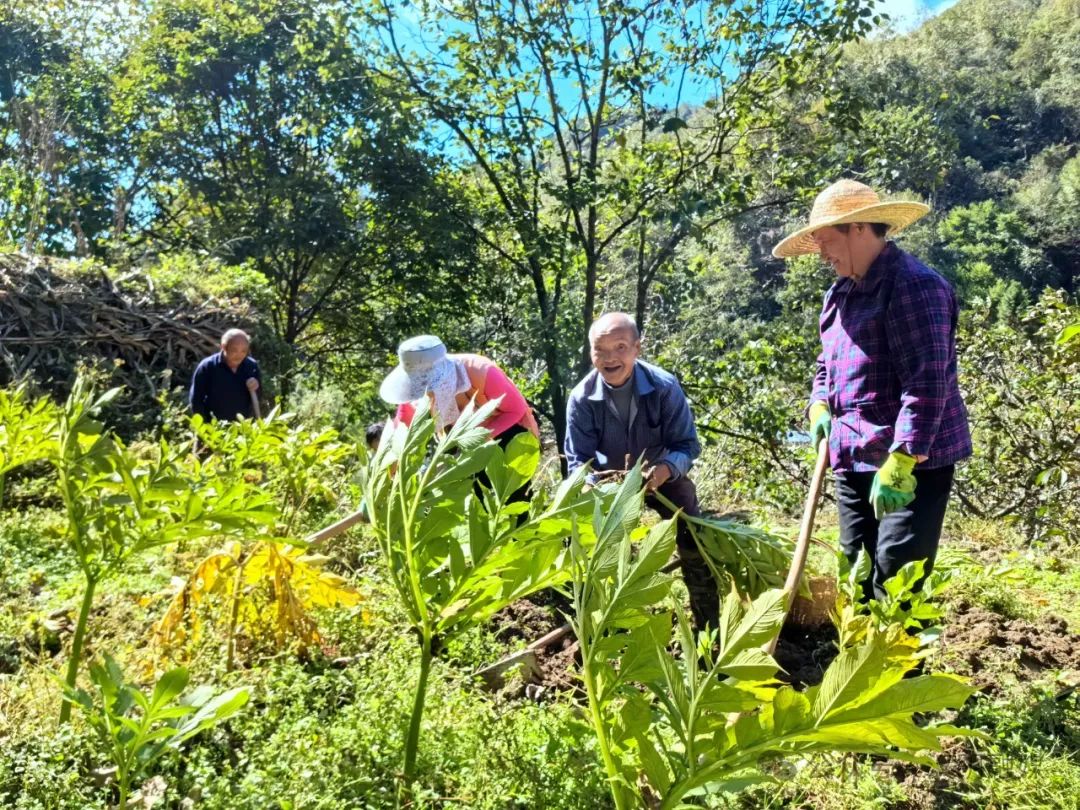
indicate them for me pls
(907, 14)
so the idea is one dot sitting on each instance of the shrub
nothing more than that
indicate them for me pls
(1022, 388)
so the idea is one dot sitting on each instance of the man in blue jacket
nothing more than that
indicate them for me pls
(627, 408)
(222, 385)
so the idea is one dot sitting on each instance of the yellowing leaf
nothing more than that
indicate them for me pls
(278, 587)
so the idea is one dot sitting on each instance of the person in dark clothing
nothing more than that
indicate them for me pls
(627, 408)
(373, 435)
(223, 383)
(886, 396)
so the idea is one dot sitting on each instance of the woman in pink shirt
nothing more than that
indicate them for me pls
(451, 381)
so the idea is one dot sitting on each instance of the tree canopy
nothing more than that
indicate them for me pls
(500, 173)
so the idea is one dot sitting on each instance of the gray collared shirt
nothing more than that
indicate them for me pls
(660, 425)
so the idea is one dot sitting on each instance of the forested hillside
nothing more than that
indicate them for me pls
(206, 145)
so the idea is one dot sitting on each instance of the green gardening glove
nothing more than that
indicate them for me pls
(820, 422)
(894, 484)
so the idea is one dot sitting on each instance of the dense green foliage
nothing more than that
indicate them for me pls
(329, 735)
(455, 556)
(138, 730)
(705, 722)
(363, 172)
(119, 501)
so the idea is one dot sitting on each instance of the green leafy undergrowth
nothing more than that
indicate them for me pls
(49, 770)
(333, 738)
(317, 736)
(306, 470)
(911, 600)
(1030, 757)
(33, 559)
(136, 731)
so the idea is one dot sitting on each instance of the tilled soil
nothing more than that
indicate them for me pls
(927, 789)
(993, 650)
(803, 653)
(526, 620)
(989, 648)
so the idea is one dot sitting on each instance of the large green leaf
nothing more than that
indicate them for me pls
(850, 677)
(616, 523)
(758, 624)
(926, 694)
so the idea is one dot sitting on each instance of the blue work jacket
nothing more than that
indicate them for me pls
(660, 424)
(218, 392)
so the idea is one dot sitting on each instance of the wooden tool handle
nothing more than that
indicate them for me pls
(798, 560)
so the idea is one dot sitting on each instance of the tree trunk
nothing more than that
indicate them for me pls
(549, 340)
(588, 314)
(641, 302)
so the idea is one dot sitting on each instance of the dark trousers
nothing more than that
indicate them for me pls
(908, 534)
(704, 596)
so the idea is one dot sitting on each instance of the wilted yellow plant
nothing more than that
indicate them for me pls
(267, 593)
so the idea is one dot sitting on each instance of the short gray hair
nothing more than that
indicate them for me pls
(613, 321)
(232, 334)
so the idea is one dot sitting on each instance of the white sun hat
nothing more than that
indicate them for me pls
(849, 201)
(423, 365)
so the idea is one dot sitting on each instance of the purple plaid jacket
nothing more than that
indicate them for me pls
(887, 367)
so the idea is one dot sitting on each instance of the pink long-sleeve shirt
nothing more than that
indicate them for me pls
(487, 382)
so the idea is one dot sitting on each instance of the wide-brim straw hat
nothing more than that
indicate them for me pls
(849, 201)
(423, 363)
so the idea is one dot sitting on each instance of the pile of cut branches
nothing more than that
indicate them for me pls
(54, 318)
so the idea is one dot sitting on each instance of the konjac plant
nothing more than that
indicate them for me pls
(136, 730)
(679, 715)
(264, 590)
(121, 501)
(457, 550)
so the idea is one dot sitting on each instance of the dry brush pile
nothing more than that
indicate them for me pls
(55, 316)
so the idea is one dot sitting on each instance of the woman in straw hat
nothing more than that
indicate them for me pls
(885, 395)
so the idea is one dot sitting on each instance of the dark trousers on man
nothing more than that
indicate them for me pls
(704, 597)
(908, 534)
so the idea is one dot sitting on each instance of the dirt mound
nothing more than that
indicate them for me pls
(928, 789)
(548, 669)
(526, 619)
(803, 653)
(993, 649)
